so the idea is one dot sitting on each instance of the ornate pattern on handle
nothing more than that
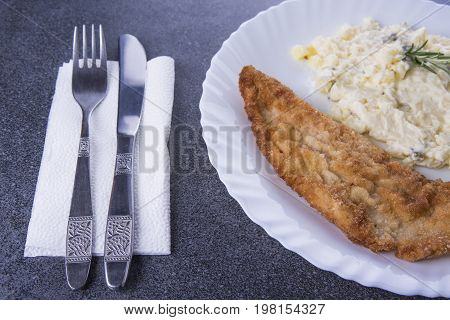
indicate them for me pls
(124, 163)
(79, 239)
(84, 148)
(118, 240)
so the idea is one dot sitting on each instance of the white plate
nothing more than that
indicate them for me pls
(265, 42)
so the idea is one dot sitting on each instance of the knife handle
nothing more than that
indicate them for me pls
(119, 226)
(80, 224)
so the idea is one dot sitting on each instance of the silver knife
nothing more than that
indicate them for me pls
(119, 226)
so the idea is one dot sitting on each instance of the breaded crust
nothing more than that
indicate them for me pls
(376, 201)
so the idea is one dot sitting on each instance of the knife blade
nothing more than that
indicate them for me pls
(119, 227)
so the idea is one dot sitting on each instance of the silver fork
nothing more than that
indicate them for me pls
(89, 84)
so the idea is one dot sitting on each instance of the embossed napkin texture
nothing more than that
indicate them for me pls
(50, 212)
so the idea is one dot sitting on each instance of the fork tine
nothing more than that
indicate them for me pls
(75, 50)
(84, 47)
(94, 59)
(102, 48)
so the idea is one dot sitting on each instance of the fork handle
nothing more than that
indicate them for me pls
(80, 224)
(119, 226)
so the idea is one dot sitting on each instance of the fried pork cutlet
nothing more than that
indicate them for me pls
(373, 199)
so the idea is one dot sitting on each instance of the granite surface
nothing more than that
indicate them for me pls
(218, 253)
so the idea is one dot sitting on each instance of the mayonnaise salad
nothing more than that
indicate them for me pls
(376, 91)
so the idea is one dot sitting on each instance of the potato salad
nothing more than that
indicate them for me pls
(375, 89)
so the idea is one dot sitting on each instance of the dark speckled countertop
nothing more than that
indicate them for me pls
(218, 253)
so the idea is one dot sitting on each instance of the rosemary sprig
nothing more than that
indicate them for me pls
(432, 61)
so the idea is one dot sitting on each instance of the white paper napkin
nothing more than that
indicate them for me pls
(48, 223)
